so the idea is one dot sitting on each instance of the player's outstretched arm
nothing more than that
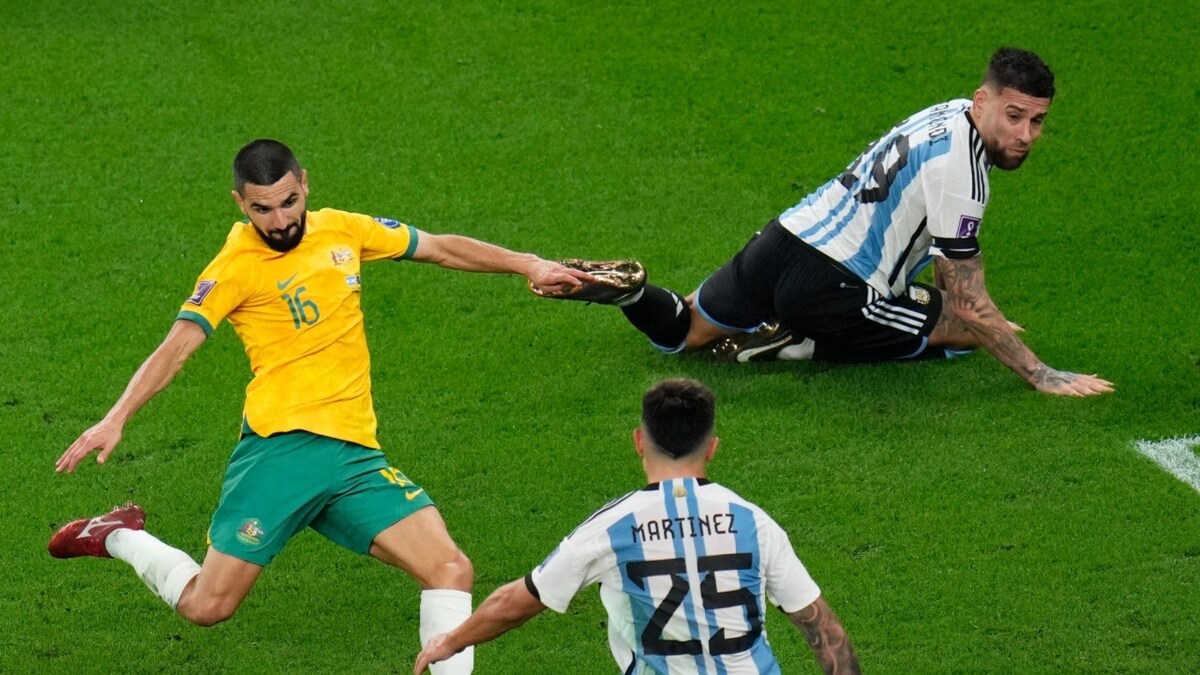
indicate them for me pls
(456, 252)
(826, 637)
(181, 342)
(505, 609)
(970, 305)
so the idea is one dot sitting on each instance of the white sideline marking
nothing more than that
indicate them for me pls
(1176, 456)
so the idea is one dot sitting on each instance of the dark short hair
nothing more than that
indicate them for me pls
(263, 162)
(677, 415)
(1021, 70)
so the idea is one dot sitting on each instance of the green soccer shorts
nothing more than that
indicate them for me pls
(275, 487)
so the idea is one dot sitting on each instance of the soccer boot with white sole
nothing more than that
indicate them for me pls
(616, 281)
(85, 537)
(763, 344)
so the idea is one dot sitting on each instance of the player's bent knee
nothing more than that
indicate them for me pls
(454, 572)
(206, 611)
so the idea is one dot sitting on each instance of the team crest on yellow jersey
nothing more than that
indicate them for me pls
(342, 256)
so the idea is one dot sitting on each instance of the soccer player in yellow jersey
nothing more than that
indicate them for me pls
(289, 283)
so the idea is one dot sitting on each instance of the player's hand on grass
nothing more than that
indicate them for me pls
(551, 277)
(1015, 327)
(437, 649)
(1061, 383)
(104, 436)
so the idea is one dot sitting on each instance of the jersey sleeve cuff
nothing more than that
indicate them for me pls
(556, 602)
(529, 585)
(954, 248)
(412, 244)
(196, 319)
(793, 605)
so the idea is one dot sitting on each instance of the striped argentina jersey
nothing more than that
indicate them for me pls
(920, 189)
(683, 567)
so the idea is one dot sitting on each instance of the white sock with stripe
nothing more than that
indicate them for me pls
(443, 610)
(167, 571)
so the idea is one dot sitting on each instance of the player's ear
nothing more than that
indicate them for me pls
(980, 99)
(237, 197)
(712, 448)
(639, 441)
(304, 181)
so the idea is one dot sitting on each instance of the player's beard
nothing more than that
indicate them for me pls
(288, 238)
(1002, 160)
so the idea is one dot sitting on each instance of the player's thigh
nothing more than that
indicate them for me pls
(421, 545)
(372, 497)
(739, 296)
(273, 488)
(881, 329)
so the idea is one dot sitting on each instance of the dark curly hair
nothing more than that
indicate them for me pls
(1021, 70)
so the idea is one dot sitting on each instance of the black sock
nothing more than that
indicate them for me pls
(662, 315)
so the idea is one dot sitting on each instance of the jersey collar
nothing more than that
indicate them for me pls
(653, 487)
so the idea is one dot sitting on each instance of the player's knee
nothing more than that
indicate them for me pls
(206, 611)
(460, 572)
(454, 571)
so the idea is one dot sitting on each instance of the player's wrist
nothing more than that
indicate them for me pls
(452, 645)
(116, 419)
(527, 265)
(1037, 376)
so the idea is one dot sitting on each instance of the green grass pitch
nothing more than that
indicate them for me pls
(956, 520)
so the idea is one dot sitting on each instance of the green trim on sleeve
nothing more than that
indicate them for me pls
(196, 319)
(412, 244)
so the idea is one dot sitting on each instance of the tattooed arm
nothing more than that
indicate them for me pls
(969, 309)
(826, 637)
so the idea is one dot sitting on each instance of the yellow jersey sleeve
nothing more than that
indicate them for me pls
(383, 238)
(222, 286)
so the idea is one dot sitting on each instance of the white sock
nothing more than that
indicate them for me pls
(442, 610)
(802, 351)
(165, 570)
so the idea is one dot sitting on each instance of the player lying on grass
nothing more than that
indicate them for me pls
(832, 277)
(289, 282)
(684, 565)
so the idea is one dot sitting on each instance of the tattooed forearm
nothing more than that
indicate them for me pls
(1045, 377)
(970, 305)
(826, 637)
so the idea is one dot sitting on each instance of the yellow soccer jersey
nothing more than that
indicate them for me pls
(300, 318)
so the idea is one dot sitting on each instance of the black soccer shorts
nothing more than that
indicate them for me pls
(778, 276)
